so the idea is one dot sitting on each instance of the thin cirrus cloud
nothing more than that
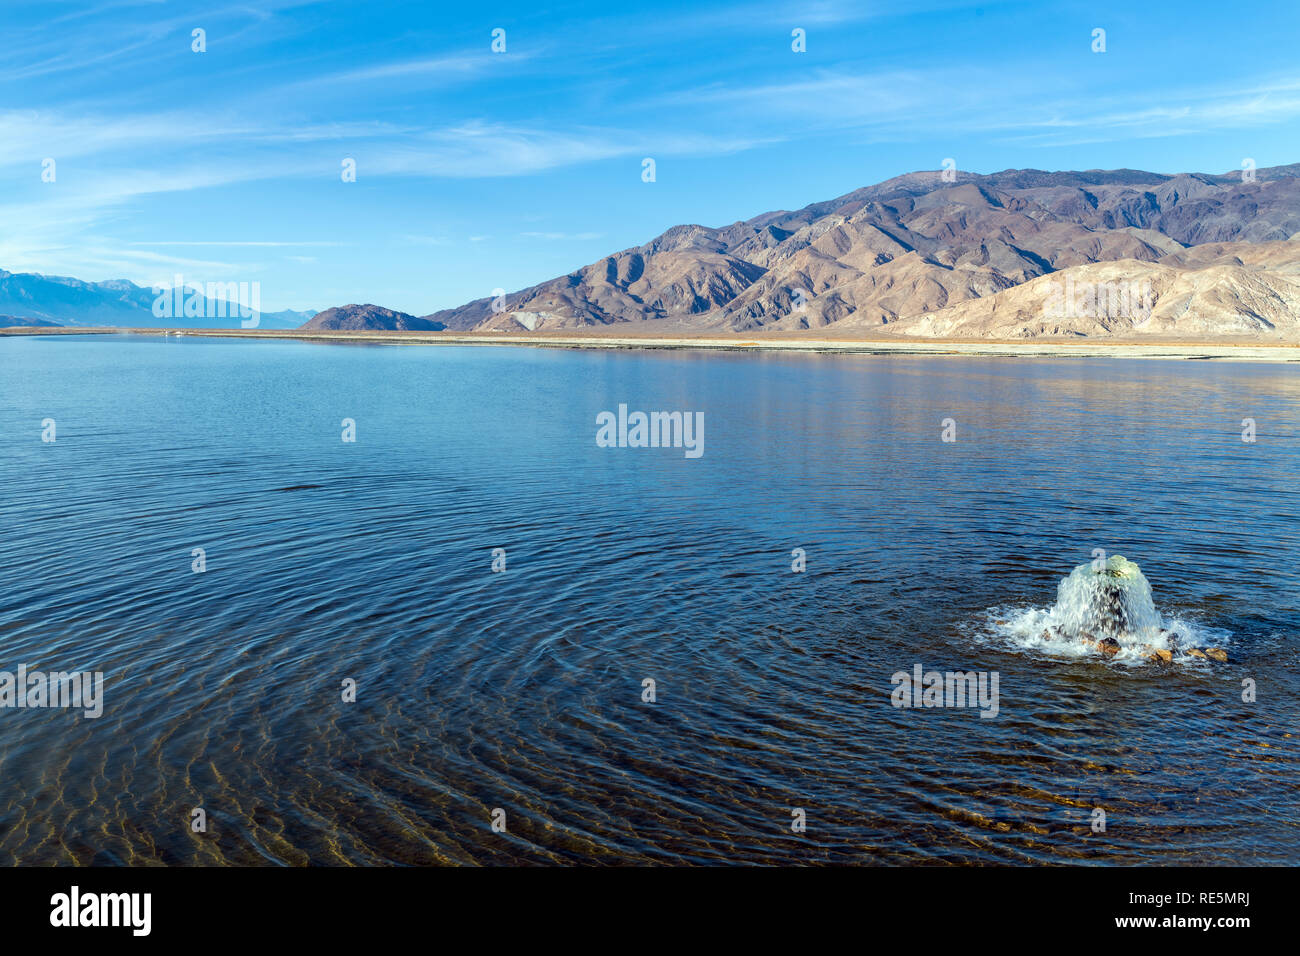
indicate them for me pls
(114, 36)
(28, 136)
(907, 102)
(459, 67)
(49, 228)
(153, 259)
(1261, 103)
(255, 129)
(55, 228)
(778, 18)
(470, 149)
(31, 135)
(475, 150)
(99, 255)
(563, 236)
(255, 244)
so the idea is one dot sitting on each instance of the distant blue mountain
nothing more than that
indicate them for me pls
(59, 300)
(19, 321)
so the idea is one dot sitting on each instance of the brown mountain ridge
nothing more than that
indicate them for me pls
(364, 318)
(1020, 253)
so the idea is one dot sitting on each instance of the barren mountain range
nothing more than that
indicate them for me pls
(367, 318)
(1015, 254)
(29, 299)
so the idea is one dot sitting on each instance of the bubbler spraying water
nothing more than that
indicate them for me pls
(1108, 606)
(1110, 600)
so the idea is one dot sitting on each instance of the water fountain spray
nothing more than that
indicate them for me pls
(1108, 600)
(1107, 607)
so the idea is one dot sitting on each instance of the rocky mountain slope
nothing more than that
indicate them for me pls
(920, 255)
(370, 317)
(1234, 294)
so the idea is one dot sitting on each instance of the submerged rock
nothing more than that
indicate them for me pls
(1107, 645)
(1217, 654)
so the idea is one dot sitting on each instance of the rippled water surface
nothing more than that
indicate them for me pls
(522, 690)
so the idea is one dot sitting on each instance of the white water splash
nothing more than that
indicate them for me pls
(1102, 603)
(1110, 600)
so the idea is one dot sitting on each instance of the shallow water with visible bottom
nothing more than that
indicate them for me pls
(371, 561)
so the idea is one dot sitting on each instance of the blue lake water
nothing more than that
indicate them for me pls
(522, 690)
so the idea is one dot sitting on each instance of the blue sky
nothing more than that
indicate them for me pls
(478, 170)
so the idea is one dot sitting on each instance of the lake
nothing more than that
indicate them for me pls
(200, 533)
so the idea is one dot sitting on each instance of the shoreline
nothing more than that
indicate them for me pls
(1247, 351)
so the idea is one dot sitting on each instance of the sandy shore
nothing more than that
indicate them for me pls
(1231, 350)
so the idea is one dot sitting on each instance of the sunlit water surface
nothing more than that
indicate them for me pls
(522, 690)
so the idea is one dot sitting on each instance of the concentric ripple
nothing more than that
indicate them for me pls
(525, 690)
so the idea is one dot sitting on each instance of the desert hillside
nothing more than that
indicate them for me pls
(364, 318)
(1018, 254)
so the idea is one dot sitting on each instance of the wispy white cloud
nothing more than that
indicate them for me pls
(462, 66)
(1187, 112)
(250, 243)
(99, 256)
(139, 125)
(28, 136)
(153, 259)
(477, 149)
(100, 37)
(910, 104)
(563, 236)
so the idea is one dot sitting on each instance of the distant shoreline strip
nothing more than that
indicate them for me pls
(967, 347)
